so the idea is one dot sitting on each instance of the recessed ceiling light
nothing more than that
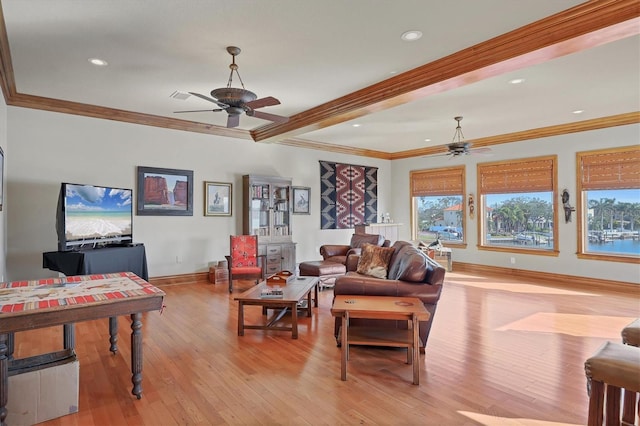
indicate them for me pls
(578, 111)
(412, 35)
(427, 140)
(356, 125)
(98, 62)
(516, 81)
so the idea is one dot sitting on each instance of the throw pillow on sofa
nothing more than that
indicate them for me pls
(374, 260)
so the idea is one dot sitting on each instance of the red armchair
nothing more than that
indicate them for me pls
(244, 262)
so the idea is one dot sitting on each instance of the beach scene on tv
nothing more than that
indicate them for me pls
(97, 212)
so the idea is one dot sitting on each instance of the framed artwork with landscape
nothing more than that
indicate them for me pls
(301, 201)
(217, 198)
(164, 192)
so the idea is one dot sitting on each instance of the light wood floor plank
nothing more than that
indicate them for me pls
(501, 352)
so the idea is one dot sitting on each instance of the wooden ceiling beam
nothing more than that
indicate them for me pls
(582, 27)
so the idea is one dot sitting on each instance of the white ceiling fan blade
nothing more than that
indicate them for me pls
(442, 154)
(207, 98)
(201, 110)
(481, 151)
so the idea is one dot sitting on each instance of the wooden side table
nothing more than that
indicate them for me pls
(380, 307)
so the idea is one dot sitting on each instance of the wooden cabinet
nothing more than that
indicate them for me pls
(267, 214)
(279, 256)
(388, 230)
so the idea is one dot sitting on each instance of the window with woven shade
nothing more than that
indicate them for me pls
(608, 204)
(437, 199)
(517, 211)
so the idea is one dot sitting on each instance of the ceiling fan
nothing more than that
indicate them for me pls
(236, 101)
(459, 146)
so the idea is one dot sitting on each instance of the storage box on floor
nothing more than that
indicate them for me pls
(43, 394)
(218, 272)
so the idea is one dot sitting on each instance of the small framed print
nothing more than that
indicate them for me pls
(217, 198)
(300, 199)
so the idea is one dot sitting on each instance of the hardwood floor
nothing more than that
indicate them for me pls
(501, 352)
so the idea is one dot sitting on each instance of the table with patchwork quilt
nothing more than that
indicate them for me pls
(27, 305)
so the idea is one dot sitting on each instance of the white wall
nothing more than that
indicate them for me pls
(43, 149)
(50, 148)
(565, 147)
(3, 174)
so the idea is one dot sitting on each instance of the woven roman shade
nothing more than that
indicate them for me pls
(435, 182)
(527, 175)
(610, 169)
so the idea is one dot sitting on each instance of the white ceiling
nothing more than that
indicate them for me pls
(308, 53)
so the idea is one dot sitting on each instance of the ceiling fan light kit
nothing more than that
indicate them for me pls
(235, 100)
(458, 145)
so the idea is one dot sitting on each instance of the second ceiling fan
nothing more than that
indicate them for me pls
(459, 146)
(236, 101)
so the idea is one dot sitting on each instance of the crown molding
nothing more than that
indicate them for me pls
(587, 25)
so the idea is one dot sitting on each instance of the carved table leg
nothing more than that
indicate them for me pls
(69, 336)
(11, 342)
(136, 354)
(113, 334)
(4, 378)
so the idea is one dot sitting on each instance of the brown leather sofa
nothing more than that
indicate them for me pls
(411, 274)
(338, 253)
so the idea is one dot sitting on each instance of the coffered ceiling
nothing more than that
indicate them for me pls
(334, 64)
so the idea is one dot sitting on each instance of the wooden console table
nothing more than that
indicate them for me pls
(380, 307)
(28, 305)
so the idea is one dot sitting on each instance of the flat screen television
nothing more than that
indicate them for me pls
(91, 216)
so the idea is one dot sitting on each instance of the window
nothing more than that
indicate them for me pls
(517, 205)
(438, 209)
(608, 204)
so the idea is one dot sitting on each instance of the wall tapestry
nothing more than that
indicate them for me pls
(348, 195)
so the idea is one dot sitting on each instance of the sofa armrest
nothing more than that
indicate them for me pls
(352, 262)
(357, 251)
(330, 250)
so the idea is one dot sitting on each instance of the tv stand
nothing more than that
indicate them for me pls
(104, 260)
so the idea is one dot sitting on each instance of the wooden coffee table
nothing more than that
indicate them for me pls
(294, 292)
(380, 307)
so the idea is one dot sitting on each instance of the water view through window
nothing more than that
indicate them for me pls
(520, 220)
(613, 221)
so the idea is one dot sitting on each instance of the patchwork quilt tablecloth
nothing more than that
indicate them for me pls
(54, 293)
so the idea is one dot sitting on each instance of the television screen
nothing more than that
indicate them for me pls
(90, 215)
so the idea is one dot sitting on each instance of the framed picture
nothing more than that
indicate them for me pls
(164, 192)
(217, 198)
(301, 199)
